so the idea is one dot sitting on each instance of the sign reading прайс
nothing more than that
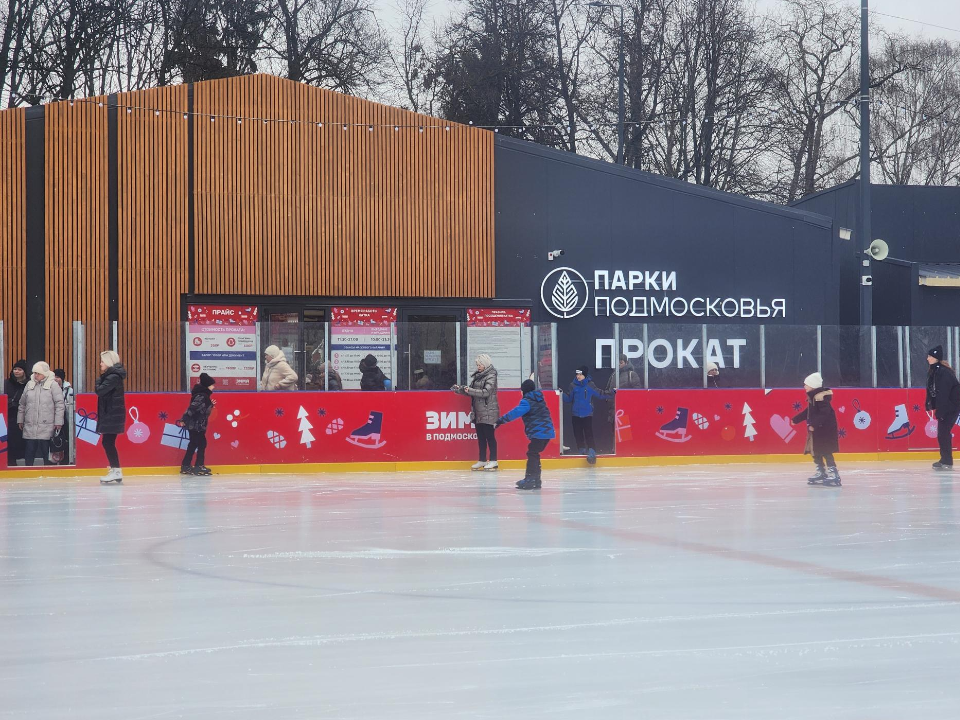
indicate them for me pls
(222, 342)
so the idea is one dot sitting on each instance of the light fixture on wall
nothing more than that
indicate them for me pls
(554, 254)
(845, 233)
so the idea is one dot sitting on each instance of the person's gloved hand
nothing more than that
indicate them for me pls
(498, 423)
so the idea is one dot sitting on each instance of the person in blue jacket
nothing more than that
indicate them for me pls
(581, 394)
(537, 424)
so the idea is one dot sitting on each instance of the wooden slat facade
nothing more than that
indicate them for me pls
(13, 238)
(280, 208)
(299, 209)
(153, 242)
(75, 227)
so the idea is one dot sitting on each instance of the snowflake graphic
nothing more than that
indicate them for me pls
(138, 433)
(842, 433)
(659, 409)
(278, 412)
(322, 412)
(916, 408)
(727, 406)
(162, 415)
(797, 406)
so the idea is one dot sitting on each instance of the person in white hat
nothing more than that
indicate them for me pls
(40, 413)
(822, 438)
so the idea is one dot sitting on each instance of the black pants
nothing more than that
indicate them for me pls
(820, 458)
(534, 448)
(14, 439)
(110, 448)
(198, 444)
(944, 428)
(486, 436)
(35, 449)
(583, 431)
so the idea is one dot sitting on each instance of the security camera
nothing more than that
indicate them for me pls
(553, 254)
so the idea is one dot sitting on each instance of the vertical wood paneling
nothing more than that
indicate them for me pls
(153, 249)
(13, 236)
(75, 225)
(295, 209)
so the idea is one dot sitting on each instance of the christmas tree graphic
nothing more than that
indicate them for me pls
(748, 423)
(306, 437)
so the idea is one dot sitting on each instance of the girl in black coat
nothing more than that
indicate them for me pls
(943, 399)
(111, 411)
(822, 437)
(13, 389)
(195, 421)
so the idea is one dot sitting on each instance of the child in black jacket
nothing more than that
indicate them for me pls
(822, 437)
(195, 421)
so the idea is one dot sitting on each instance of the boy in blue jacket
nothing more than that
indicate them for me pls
(581, 394)
(537, 424)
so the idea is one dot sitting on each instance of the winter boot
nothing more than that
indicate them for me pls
(492, 465)
(591, 456)
(186, 470)
(528, 484)
(818, 477)
(833, 477)
(478, 465)
(202, 470)
(941, 466)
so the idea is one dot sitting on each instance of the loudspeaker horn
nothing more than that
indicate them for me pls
(878, 250)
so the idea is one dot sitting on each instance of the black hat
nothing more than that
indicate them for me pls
(206, 380)
(59, 372)
(583, 370)
(527, 386)
(22, 364)
(936, 352)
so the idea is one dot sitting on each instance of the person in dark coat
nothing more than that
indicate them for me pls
(629, 380)
(538, 426)
(13, 388)
(822, 435)
(111, 411)
(195, 421)
(943, 399)
(372, 377)
(581, 394)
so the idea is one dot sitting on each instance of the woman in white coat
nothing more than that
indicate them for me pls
(40, 413)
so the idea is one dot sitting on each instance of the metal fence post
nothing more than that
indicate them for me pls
(3, 354)
(819, 348)
(646, 364)
(873, 352)
(703, 359)
(900, 352)
(79, 357)
(763, 357)
(906, 355)
(113, 333)
(615, 360)
(554, 369)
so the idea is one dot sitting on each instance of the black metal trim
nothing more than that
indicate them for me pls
(113, 210)
(191, 189)
(36, 260)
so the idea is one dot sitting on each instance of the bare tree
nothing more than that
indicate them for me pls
(411, 57)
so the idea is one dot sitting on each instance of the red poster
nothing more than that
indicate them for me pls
(497, 317)
(222, 314)
(304, 427)
(363, 316)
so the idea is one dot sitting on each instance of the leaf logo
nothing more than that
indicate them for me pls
(564, 299)
(565, 294)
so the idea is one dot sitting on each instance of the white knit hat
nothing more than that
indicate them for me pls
(813, 380)
(43, 369)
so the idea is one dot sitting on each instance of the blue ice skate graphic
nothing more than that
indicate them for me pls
(368, 434)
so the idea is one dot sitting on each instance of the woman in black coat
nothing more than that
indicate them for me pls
(822, 435)
(943, 399)
(111, 411)
(371, 376)
(13, 389)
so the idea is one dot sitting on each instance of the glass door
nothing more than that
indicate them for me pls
(281, 327)
(428, 349)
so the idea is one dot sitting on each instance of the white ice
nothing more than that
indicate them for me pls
(690, 592)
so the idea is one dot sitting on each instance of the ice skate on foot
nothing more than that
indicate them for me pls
(115, 475)
(833, 477)
(591, 456)
(186, 470)
(478, 465)
(528, 484)
(202, 470)
(942, 466)
(818, 477)
(492, 465)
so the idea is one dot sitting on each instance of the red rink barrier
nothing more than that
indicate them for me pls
(341, 427)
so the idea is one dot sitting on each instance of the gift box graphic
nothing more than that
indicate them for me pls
(175, 436)
(3, 433)
(623, 426)
(86, 427)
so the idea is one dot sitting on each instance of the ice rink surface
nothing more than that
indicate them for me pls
(687, 592)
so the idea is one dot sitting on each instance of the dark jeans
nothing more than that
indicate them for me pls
(534, 448)
(820, 458)
(14, 439)
(583, 431)
(486, 436)
(110, 448)
(36, 449)
(198, 444)
(944, 428)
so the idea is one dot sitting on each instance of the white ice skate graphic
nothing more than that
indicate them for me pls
(900, 427)
(368, 434)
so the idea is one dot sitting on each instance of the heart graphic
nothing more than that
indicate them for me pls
(842, 408)
(235, 444)
(781, 426)
(716, 417)
(216, 436)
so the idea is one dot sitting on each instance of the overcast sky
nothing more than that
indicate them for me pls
(937, 12)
